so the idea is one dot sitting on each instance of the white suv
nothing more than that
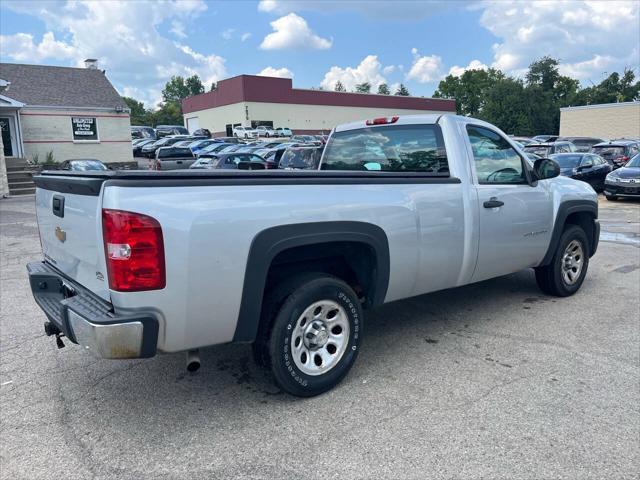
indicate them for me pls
(283, 132)
(244, 132)
(263, 131)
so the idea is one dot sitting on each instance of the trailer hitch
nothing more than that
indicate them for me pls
(50, 329)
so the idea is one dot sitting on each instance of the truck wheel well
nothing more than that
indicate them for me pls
(585, 221)
(353, 262)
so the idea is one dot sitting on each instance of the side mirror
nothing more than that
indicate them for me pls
(546, 168)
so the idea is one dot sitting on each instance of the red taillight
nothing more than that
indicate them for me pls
(382, 120)
(134, 250)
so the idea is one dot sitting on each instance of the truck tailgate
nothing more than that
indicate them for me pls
(71, 236)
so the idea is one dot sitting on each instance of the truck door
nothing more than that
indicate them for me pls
(514, 217)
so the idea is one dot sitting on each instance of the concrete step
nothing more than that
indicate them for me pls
(15, 161)
(22, 191)
(20, 173)
(19, 176)
(23, 184)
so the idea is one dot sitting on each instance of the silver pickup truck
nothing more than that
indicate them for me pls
(137, 263)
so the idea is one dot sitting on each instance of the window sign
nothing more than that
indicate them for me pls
(84, 128)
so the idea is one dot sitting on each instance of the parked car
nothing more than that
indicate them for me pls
(166, 130)
(213, 148)
(233, 161)
(228, 139)
(264, 131)
(624, 181)
(275, 153)
(142, 132)
(202, 132)
(305, 253)
(284, 132)
(244, 132)
(199, 145)
(549, 148)
(309, 139)
(544, 138)
(137, 146)
(583, 144)
(149, 150)
(617, 152)
(301, 158)
(522, 140)
(173, 158)
(588, 167)
(83, 165)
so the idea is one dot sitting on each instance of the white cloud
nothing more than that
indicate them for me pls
(367, 71)
(456, 71)
(245, 36)
(589, 38)
(177, 28)
(424, 69)
(276, 72)
(228, 33)
(396, 10)
(388, 69)
(22, 48)
(125, 38)
(292, 32)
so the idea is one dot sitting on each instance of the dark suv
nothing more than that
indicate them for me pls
(583, 144)
(549, 148)
(617, 152)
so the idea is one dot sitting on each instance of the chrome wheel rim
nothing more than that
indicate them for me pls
(320, 337)
(572, 262)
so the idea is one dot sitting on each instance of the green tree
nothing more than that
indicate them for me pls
(402, 91)
(507, 107)
(469, 89)
(383, 89)
(177, 89)
(339, 87)
(214, 87)
(139, 114)
(169, 113)
(364, 87)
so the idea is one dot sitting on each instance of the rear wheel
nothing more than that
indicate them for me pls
(566, 271)
(315, 335)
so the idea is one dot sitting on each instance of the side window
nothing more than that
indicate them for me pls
(587, 161)
(495, 160)
(634, 150)
(390, 148)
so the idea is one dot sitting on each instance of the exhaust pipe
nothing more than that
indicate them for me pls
(193, 360)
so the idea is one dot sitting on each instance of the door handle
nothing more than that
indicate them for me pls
(493, 202)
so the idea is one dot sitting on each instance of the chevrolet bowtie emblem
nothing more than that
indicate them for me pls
(61, 234)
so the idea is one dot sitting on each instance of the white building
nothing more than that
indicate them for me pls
(62, 113)
(609, 120)
(251, 100)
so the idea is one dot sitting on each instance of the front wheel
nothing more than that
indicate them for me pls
(315, 336)
(566, 271)
(611, 198)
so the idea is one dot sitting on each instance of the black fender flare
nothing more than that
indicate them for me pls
(564, 210)
(270, 242)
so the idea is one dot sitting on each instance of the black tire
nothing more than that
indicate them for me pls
(312, 289)
(550, 278)
(611, 198)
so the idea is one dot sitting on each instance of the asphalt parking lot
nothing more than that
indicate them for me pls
(493, 380)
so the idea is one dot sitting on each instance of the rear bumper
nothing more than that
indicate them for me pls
(90, 321)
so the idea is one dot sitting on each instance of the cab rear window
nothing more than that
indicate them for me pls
(397, 148)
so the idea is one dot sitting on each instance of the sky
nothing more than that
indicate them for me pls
(142, 44)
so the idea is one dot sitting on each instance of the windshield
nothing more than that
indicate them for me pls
(305, 159)
(86, 165)
(609, 152)
(567, 161)
(538, 150)
(634, 162)
(392, 148)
